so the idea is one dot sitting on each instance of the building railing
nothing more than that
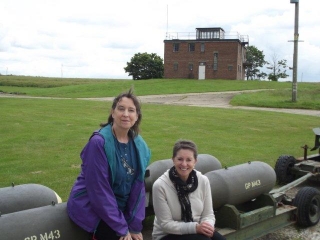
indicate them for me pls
(193, 36)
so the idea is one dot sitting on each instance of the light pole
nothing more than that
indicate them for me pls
(295, 50)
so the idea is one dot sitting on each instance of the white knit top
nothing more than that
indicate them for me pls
(167, 207)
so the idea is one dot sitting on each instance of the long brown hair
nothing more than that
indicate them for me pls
(129, 94)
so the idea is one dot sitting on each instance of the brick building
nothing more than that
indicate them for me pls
(208, 54)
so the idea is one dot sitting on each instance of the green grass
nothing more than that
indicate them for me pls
(74, 88)
(280, 96)
(308, 98)
(41, 139)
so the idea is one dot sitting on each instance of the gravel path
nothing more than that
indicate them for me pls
(216, 100)
(209, 99)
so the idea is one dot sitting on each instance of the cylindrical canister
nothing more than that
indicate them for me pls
(240, 183)
(205, 163)
(42, 223)
(26, 196)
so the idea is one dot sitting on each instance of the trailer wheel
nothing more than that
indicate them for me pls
(307, 202)
(283, 167)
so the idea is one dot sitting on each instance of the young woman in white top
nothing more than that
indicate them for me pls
(182, 199)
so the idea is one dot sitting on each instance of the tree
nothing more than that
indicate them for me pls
(145, 66)
(255, 59)
(278, 67)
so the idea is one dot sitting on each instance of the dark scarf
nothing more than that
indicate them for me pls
(183, 190)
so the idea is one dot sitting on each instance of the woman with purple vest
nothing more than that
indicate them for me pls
(108, 197)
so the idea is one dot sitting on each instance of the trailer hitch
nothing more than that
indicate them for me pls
(279, 192)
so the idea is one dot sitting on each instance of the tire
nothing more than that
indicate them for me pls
(283, 167)
(307, 202)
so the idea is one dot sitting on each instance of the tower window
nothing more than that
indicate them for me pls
(191, 47)
(176, 47)
(215, 61)
(202, 47)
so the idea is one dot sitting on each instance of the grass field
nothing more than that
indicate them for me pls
(41, 139)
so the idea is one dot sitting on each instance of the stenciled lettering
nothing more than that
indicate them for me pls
(256, 183)
(55, 234)
(31, 238)
(252, 184)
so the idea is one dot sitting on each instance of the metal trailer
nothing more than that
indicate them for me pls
(289, 168)
(270, 212)
(275, 210)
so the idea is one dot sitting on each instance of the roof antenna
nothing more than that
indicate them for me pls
(167, 21)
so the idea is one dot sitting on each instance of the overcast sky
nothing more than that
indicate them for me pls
(96, 38)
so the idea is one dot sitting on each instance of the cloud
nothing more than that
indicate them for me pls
(96, 38)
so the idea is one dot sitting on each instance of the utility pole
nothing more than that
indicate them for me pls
(295, 50)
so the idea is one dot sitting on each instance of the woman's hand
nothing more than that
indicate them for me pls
(132, 236)
(126, 237)
(137, 236)
(205, 228)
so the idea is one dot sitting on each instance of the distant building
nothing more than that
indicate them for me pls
(210, 54)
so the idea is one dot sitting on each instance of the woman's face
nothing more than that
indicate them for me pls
(184, 163)
(125, 114)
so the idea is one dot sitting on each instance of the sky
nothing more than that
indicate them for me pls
(96, 38)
